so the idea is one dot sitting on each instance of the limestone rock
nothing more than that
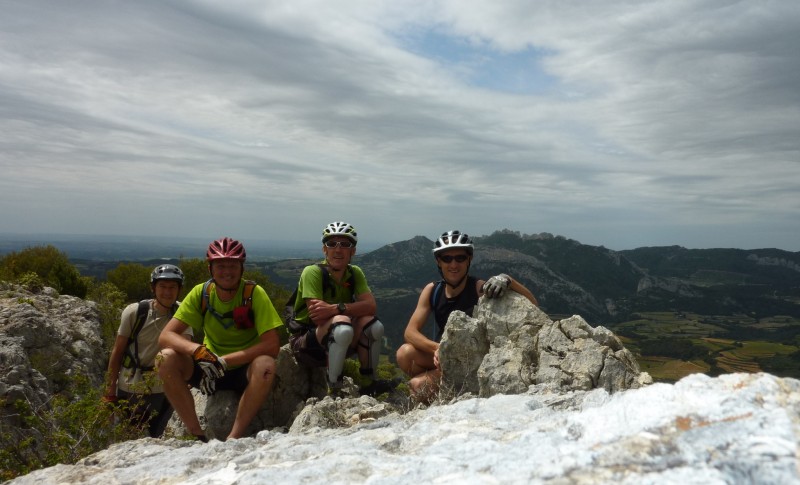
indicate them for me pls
(339, 413)
(45, 340)
(511, 345)
(735, 428)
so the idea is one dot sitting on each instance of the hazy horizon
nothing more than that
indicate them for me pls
(106, 246)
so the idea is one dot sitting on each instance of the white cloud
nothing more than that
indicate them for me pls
(621, 123)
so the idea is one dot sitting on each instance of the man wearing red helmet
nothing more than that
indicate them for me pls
(240, 347)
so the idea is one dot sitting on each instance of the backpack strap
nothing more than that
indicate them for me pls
(247, 295)
(207, 287)
(142, 311)
(437, 290)
(288, 312)
(247, 298)
(351, 281)
(435, 294)
(325, 275)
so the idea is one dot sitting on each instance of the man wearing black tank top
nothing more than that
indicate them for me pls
(419, 355)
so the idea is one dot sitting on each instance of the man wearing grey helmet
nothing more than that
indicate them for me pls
(130, 374)
(418, 357)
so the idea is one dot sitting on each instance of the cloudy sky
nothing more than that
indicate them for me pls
(615, 123)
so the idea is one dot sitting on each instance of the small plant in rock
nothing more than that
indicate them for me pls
(64, 430)
(31, 282)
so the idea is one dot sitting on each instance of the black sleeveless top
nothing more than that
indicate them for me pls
(464, 301)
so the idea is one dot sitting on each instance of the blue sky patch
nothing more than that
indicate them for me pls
(481, 66)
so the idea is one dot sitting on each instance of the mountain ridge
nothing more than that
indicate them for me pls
(570, 278)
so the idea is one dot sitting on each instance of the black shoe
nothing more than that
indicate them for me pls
(377, 387)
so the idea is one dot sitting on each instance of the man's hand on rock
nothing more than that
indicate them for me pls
(496, 286)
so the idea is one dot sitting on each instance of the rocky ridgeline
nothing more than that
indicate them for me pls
(527, 400)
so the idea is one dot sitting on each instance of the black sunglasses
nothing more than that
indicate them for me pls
(449, 259)
(336, 244)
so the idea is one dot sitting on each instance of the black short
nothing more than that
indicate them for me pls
(233, 380)
(307, 350)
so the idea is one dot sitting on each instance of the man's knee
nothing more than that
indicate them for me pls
(172, 365)
(262, 370)
(404, 356)
(166, 361)
(341, 335)
(425, 383)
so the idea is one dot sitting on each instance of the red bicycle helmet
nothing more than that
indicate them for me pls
(226, 248)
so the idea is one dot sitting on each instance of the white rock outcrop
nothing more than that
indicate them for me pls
(736, 428)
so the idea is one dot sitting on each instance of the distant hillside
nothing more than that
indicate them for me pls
(602, 285)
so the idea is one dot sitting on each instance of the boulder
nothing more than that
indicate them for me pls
(510, 345)
(339, 413)
(46, 339)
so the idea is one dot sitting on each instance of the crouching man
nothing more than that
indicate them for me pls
(240, 345)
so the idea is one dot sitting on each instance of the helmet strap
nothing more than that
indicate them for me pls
(441, 273)
(161, 306)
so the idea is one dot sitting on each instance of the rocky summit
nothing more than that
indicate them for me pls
(530, 400)
(736, 428)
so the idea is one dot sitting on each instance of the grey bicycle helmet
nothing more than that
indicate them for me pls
(167, 272)
(340, 229)
(452, 240)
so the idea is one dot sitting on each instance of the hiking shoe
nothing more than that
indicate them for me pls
(377, 387)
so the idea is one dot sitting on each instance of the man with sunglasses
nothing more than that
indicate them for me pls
(335, 310)
(240, 344)
(418, 357)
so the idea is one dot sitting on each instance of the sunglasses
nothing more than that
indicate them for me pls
(336, 244)
(449, 259)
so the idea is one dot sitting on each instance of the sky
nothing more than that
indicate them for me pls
(618, 123)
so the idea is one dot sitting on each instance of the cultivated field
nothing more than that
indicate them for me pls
(671, 345)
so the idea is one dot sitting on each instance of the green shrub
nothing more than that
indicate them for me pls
(65, 430)
(31, 282)
(110, 303)
(132, 279)
(50, 264)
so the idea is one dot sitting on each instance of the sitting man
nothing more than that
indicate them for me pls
(334, 313)
(240, 345)
(133, 356)
(418, 357)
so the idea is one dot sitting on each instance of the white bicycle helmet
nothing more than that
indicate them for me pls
(340, 229)
(451, 240)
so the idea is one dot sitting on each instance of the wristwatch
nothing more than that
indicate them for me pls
(342, 308)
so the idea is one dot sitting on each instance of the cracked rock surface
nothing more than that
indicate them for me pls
(511, 345)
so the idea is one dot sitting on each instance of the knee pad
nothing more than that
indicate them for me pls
(373, 332)
(339, 340)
